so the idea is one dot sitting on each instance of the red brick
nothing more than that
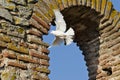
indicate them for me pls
(40, 21)
(36, 54)
(16, 64)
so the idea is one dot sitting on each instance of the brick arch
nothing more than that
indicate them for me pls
(85, 23)
(24, 55)
(95, 27)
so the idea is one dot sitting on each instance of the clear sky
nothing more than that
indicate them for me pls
(67, 62)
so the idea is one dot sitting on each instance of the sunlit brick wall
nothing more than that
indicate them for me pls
(24, 55)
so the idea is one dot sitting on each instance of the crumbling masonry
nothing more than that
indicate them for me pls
(24, 55)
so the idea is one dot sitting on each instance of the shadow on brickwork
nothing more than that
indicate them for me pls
(85, 22)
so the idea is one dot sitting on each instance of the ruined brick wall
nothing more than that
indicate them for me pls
(24, 55)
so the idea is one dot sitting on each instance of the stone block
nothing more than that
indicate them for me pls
(34, 32)
(44, 70)
(8, 75)
(20, 21)
(24, 11)
(32, 1)
(18, 2)
(6, 14)
(8, 5)
(98, 5)
(88, 3)
(16, 64)
(103, 6)
(34, 53)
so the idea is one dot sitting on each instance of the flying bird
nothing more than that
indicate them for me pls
(61, 35)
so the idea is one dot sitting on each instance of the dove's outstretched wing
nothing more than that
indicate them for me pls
(57, 41)
(59, 21)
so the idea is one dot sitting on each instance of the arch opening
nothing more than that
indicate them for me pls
(85, 22)
(66, 61)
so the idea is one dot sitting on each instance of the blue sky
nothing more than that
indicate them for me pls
(67, 62)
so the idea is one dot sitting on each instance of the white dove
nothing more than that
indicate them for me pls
(60, 34)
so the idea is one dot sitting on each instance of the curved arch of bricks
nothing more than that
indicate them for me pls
(24, 55)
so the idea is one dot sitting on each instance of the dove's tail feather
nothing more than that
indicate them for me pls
(68, 40)
(69, 36)
(70, 32)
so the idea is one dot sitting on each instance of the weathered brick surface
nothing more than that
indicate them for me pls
(24, 22)
(21, 47)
